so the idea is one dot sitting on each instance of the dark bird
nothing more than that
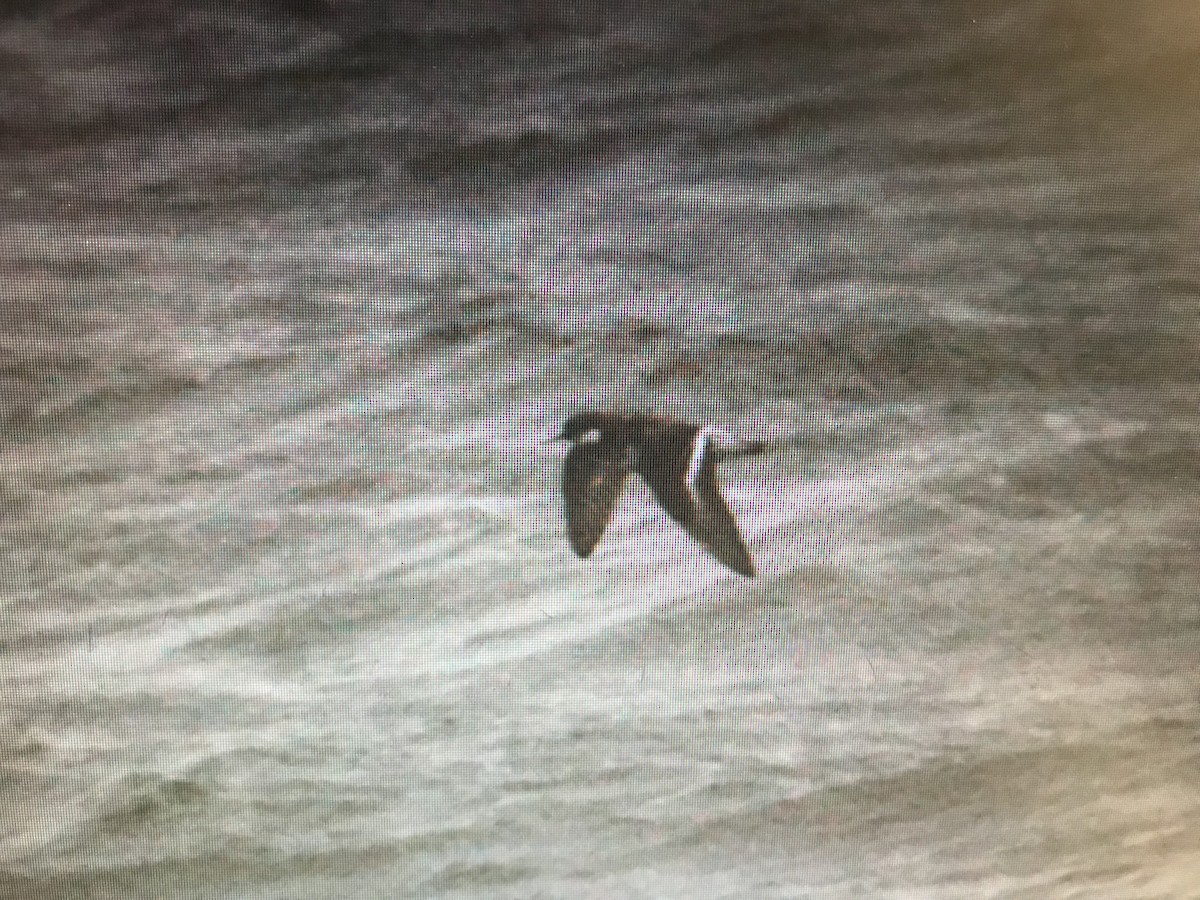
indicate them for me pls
(677, 460)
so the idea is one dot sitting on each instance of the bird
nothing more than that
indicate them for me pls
(676, 459)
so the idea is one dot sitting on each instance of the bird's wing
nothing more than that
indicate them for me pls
(593, 476)
(715, 526)
(695, 502)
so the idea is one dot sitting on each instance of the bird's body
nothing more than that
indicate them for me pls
(676, 459)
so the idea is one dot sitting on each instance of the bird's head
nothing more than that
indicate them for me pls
(583, 428)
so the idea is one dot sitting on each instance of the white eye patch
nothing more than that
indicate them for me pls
(591, 436)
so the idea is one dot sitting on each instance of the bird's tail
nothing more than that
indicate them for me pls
(745, 448)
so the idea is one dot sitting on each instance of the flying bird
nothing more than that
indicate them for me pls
(679, 462)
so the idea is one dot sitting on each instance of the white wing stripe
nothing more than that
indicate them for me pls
(699, 444)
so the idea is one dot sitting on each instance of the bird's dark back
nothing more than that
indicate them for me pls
(666, 450)
(628, 428)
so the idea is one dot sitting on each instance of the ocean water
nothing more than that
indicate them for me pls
(295, 294)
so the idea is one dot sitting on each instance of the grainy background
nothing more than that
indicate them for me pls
(293, 295)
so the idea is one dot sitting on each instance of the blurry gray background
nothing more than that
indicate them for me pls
(293, 295)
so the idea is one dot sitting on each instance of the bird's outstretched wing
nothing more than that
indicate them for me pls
(715, 526)
(593, 476)
(695, 502)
